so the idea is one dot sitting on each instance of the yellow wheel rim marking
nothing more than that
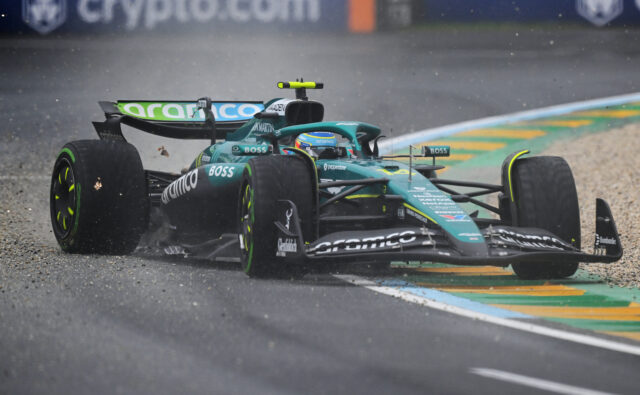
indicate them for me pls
(519, 154)
(57, 197)
(66, 173)
(69, 210)
(58, 216)
(72, 187)
(64, 223)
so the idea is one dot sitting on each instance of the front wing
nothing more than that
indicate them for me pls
(504, 244)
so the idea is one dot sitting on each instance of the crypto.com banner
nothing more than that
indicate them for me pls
(46, 16)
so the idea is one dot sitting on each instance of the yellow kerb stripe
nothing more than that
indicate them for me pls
(584, 313)
(505, 133)
(533, 290)
(468, 145)
(608, 113)
(565, 124)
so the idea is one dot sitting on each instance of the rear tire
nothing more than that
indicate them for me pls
(98, 197)
(546, 198)
(266, 180)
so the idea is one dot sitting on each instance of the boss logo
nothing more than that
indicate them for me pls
(255, 149)
(221, 171)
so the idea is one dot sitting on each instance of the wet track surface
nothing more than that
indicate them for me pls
(140, 325)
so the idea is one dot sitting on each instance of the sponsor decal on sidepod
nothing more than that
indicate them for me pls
(180, 186)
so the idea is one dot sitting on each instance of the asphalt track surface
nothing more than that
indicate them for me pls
(74, 324)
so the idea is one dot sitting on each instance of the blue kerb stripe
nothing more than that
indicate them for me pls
(451, 300)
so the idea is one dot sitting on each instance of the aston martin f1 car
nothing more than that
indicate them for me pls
(256, 196)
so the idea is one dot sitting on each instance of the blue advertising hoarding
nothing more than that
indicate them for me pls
(596, 12)
(96, 16)
(62, 16)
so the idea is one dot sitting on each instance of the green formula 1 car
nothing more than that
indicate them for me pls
(260, 195)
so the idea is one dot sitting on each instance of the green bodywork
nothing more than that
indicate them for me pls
(422, 200)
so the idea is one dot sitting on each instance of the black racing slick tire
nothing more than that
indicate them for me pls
(546, 198)
(98, 198)
(267, 179)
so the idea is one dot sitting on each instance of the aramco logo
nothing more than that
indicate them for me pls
(44, 16)
(600, 12)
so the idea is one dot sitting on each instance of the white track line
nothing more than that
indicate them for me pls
(519, 325)
(532, 382)
(401, 142)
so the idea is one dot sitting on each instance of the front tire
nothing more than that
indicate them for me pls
(266, 180)
(546, 198)
(98, 197)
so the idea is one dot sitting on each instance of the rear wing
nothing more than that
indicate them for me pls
(180, 119)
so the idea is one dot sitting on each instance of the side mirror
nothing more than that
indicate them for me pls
(376, 150)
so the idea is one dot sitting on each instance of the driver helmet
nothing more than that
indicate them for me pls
(316, 142)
